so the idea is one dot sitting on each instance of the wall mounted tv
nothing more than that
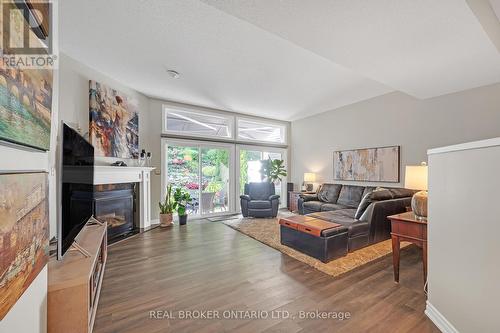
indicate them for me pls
(77, 187)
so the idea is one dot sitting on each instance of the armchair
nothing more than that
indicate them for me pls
(259, 200)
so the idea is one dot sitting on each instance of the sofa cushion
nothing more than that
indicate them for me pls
(375, 195)
(344, 217)
(313, 206)
(259, 204)
(401, 193)
(329, 192)
(330, 206)
(350, 195)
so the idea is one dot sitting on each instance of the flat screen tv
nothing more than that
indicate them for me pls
(77, 187)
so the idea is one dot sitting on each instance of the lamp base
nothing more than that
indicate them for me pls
(419, 204)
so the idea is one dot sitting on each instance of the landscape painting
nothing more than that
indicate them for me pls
(370, 164)
(24, 234)
(25, 106)
(114, 122)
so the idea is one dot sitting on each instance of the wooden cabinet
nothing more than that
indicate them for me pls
(75, 283)
(293, 199)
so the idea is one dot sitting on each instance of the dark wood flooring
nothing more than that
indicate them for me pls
(209, 266)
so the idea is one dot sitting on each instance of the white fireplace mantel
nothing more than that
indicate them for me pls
(119, 175)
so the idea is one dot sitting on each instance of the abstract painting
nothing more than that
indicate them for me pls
(370, 164)
(114, 122)
(24, 234)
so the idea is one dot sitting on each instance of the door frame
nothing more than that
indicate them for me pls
(165, 142)
(284, 156)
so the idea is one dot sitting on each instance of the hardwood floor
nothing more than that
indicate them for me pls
(209, 266)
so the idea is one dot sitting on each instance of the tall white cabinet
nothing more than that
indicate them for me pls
(464, 237)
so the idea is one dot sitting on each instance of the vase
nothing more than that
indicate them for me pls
(183, 219)
(166, 220)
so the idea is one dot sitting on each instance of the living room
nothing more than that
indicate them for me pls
(249, 166)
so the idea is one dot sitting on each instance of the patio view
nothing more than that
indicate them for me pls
(205, 173)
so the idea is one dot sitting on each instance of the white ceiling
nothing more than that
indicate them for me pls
(281, 59)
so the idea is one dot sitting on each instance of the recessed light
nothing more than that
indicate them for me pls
(173, 73)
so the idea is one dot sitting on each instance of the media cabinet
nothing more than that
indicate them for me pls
(75, 283)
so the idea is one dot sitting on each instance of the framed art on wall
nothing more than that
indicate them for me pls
(380, 164)
(114, 122)
(25, 94)
(24, 234)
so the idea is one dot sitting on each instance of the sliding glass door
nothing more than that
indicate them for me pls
(249, 164)
(215, 174)
(205, 171)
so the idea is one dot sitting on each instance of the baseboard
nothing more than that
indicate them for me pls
(439, 320)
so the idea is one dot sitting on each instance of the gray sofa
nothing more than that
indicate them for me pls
(363, 210)
(259, 200)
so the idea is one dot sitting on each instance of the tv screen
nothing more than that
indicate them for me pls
(77, 187)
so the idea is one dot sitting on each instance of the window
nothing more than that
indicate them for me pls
(192, 123)
(250, 130)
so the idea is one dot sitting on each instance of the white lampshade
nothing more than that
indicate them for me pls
(309, 177)
(416, 177)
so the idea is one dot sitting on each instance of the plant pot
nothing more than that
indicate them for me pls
(183, 219)
(166, 220)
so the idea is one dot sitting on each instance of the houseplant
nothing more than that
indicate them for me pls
(181, 200)
(167, 208)
(273, 170)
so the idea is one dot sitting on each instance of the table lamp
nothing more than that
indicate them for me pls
(416, 179)
(309, 179)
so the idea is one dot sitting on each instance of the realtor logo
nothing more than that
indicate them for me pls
(26, 34)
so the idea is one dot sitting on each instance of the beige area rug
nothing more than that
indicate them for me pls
(267, 231)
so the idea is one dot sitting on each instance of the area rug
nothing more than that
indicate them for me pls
(267, 231)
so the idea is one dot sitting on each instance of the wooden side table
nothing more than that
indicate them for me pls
(293, 197)
(407, 227)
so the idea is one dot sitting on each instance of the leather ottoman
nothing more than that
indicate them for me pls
(317, 238)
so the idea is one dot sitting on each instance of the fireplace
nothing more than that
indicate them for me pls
(116, 204)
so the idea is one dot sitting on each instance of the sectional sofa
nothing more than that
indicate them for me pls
(363, 210)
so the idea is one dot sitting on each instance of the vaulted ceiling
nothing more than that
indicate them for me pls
(281, 59)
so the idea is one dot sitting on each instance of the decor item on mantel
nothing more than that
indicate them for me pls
(167, 208)
(181, 199)
(370, 164)
(114, 122)
(24, 234)
(416, 179)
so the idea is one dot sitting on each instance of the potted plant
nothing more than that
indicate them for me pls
(273, 170)
(167, 208)
(181, 199)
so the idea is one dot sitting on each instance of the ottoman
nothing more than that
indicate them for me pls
(317, 238)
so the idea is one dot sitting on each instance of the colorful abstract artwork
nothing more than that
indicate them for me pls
(24, 234)
(370, 164)
(114, 122)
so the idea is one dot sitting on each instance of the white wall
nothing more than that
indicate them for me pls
(155, 132)
(29, 314)
(394, 119)
(463, 245)
(74, 103)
